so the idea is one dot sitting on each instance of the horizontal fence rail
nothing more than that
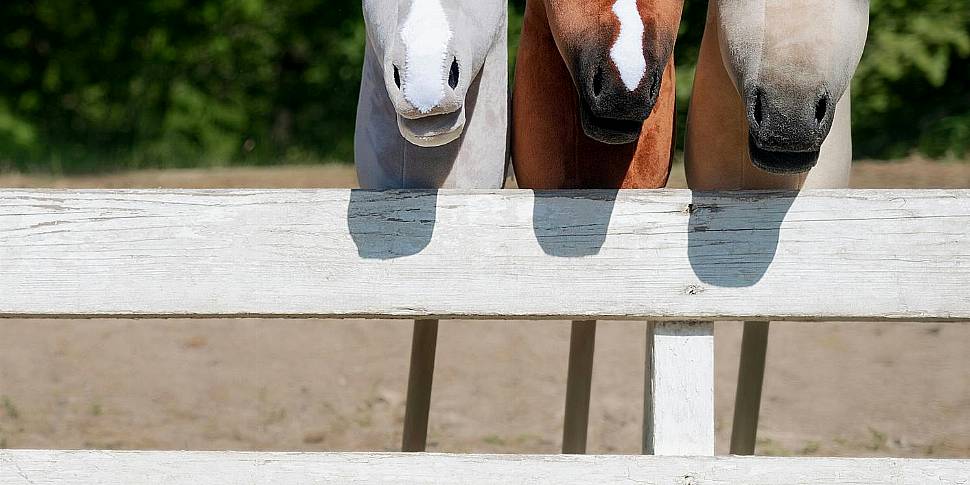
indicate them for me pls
(28, 467)
(687, 258)
(659, 255)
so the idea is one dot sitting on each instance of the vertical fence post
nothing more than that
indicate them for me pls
(420, 377)
(579, 379)
(747, 397)
(678, 401)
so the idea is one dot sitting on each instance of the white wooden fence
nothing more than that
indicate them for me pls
(681, 260)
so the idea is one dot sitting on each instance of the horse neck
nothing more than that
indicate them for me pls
(716, 148)
(544, 108)
(549, 147)
(477, 159)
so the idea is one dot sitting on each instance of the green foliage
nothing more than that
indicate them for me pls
(910, 92)
(99, 85)
(685, 55)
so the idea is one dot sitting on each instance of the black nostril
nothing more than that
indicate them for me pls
(757, 108)
(821, 109)
(598, 82)
(397, 78)
(453, 74)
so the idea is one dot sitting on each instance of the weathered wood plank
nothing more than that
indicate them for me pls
(857, 254)
(678, 390)
(23, 467)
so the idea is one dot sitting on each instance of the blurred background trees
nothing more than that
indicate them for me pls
(97, 85)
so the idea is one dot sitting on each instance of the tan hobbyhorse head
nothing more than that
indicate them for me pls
(431, 51)
(791, 61)
(616, 52)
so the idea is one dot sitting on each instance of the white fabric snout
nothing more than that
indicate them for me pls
(425, 34)
(627, 51)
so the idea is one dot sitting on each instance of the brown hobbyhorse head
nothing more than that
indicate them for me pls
(616, 52)
(594, 93)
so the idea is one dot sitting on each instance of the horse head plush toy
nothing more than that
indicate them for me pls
(593, 105)
(432, 113)
(770, 110)
(770, 94)
(433, 107)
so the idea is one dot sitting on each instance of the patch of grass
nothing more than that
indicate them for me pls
(96, 409)
(527, 438)
(810, 448)
(364, 421)
(106, 445)
(273, 416)
(769, 447)
(9, 409)
(494, 440)
(877, 439)
(933, 449)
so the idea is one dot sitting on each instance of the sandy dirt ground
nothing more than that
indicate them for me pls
(838, 389)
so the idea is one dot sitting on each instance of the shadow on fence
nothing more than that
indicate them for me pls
(718, 234)
(729, 245)
(388, 225)
(572, 224)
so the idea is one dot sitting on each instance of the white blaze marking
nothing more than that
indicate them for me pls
(627, 52)
(425, 34)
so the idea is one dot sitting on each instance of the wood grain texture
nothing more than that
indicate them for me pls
(678, 390)
(23, 467)
(837, 254)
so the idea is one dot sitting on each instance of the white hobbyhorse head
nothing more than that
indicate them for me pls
(791, 61)
(430, 52)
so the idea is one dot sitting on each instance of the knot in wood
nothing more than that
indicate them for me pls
(694, 289)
